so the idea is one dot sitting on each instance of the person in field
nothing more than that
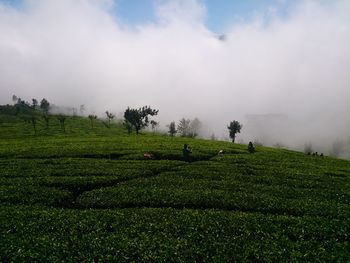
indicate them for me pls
(251, 148)
(186, 152)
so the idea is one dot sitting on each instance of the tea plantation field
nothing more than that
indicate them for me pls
(88, 195)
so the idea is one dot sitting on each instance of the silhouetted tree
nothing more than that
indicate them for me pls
(14, 99)
(92, 118)
(234, 128)
(139, 118)
(154, 125)
(45, 106)
(172, 129)
(34, 103)
(110, 117)
(62, 118)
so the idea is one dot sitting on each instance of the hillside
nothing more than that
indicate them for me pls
(89, 195)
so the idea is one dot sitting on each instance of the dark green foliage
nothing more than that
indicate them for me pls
(234, 128)
(138, 118)
(90, 196)
(45, 106)
(46, 118)
(34, 103)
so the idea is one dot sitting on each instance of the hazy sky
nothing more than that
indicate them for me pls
(279, 56)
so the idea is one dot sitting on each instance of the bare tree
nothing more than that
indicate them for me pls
(92, 118)
(110, 116)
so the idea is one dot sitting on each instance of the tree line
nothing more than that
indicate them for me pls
(135, 119)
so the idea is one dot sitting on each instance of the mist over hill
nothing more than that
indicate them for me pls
(79, 52)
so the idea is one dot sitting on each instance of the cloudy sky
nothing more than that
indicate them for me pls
(277, 57)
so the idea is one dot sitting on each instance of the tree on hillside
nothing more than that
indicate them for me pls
(46, 118)
(34, 103)
(154, 125)
(14, 99)
(172, 129)
(45, 106)
(110, 116)
(33, 120)
(92, 118)
(234, 128)
(189, 128)
(183, 128)
(195, 126)
(62, 118)
(128, 126)
(138, 118)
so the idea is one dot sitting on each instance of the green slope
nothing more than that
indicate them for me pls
(89, 195)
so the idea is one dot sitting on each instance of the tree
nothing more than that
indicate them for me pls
(33, 120)
(183, 128)
(234, 128)
(195, 126)
(62, 118)
(128, 126)
(44, 106)
(154, 125)
(138, 118)
(189, 128)
(82, 109)
(14, 99)
(46, 118)
(34, 103)
(92, 118)
(110, 116)
(172, 129)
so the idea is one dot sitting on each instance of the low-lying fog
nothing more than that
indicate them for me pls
(287, 80)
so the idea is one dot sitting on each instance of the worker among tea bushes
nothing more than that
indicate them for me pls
(186, 151)
(251, 148)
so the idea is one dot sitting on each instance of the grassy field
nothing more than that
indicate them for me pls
(89, 195)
